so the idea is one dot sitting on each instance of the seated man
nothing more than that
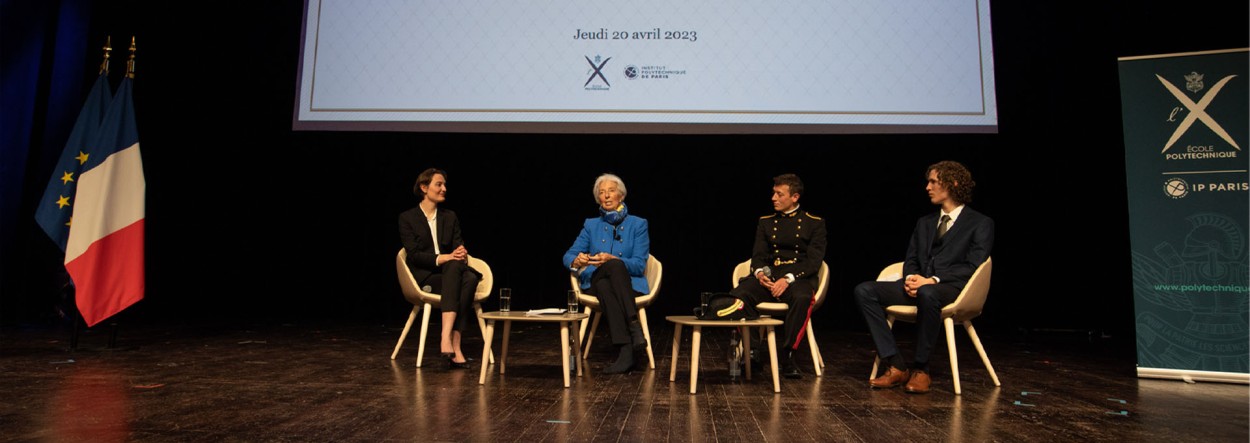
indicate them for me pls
(789, 249)
(946, 248)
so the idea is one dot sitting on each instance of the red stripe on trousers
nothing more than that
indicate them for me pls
(803, 329)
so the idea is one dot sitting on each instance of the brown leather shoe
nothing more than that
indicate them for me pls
(918, 383)
(892, 377)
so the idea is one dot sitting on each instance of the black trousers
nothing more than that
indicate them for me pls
(798, 295)
(874, 296)
(456, 283)
(610, 283)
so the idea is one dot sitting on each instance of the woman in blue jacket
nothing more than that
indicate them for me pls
(610, 259)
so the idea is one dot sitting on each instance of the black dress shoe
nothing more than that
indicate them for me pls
(789, 369)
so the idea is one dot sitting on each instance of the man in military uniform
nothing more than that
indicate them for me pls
(789, 249)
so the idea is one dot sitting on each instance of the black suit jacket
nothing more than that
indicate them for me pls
(414, 232)
(955, 257)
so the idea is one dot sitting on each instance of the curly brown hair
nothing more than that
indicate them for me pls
(955, 178)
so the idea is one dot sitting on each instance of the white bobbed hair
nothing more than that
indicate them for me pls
(620, 184)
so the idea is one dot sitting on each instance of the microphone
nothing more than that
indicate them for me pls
(768, 272)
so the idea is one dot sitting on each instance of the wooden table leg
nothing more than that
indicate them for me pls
(772, 358)
(746, 348)
(490, 332)
(577, 349)
(564, 351)
(694, 358)
(503, 354)
(672, 373)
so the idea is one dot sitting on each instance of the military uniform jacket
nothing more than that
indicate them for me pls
(791, 243)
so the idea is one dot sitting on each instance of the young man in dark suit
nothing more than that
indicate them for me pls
(945, 249)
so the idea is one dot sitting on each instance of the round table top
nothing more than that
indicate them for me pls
(523, 316)
(694, 321)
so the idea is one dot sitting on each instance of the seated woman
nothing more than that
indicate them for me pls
(610, 259)
(439, 261)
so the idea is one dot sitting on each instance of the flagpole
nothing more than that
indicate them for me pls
(68, 288)
(113, 324)
(108, 47)
(130, 64)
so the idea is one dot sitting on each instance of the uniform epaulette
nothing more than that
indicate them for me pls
(813, 217)
(768, 216)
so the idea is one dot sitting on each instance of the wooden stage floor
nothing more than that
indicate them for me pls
(336, 382)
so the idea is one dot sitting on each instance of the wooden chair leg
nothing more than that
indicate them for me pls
(646, 332)
(581, 331)
(876, 362)
(425, 327)
(590, 338)
(976, 342)
(412, 315)
(481, 324)
(817, 361)
(950, 345)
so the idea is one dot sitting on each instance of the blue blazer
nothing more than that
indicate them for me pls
(629, 241)
(956, 256)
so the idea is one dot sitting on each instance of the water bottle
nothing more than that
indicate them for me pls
(735, 355)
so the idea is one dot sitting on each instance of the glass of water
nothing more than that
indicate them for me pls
(572, 302)
(505, 300)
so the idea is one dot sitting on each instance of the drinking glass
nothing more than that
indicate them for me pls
(505, 300)
(572, 302)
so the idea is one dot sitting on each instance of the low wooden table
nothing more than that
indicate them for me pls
(565, 320)
(744, 327)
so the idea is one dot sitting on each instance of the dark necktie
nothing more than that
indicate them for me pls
(942, 222)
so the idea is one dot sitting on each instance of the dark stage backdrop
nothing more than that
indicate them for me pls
(250, 220)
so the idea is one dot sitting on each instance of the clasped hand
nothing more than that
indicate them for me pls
(460, 253)
(913, 283)
(584, 259)
(776, 287)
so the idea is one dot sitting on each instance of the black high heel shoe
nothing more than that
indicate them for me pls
(452, 364)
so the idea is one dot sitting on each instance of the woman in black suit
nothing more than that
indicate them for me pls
(439, 261)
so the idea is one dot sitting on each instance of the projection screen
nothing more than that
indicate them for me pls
(694, 66)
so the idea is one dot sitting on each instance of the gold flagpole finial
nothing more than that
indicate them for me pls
(108, 47)
(130, 64)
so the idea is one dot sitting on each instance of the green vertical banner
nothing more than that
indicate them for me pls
(1185, 140)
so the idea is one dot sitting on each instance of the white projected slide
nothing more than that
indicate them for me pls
(647, 66)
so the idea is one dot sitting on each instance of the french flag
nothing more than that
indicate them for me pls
(104, 253)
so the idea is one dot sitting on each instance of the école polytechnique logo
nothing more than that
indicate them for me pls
(596, 71)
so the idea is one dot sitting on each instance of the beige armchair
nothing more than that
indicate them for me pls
(965, 307)
(777, 308)
(426, 301)
(654, 274)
